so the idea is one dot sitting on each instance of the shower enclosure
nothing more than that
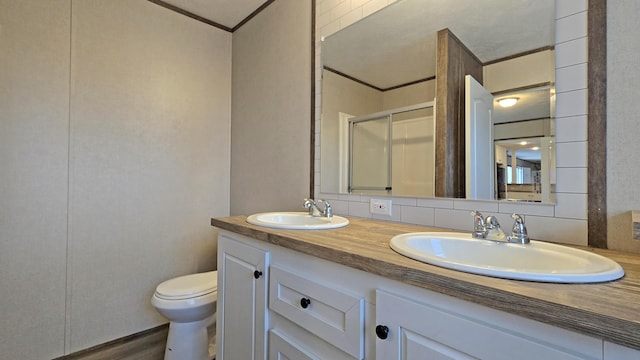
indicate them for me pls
(387, 152)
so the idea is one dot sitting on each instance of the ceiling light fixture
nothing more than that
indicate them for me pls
(508, 102)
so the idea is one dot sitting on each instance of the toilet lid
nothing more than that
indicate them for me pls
(188, 286)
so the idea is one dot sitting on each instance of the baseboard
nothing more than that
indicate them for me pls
(133, 343)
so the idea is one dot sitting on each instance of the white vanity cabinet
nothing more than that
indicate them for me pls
(330, 313)
(618, 352)
(242, 300)
(439, 328)
(281, 347)
(303, 307)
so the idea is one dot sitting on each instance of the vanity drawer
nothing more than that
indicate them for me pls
(280, 347)
(331, 314)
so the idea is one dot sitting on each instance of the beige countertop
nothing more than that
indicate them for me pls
(610, 311)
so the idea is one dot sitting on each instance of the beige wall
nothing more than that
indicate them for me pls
(623, 126)
(115, 154)
(536, 68)
(410, 95)
(350, 97)
(34, 136)
(270, 161)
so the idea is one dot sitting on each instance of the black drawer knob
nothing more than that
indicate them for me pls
(257, 274)
(304, 302)
(382, 332)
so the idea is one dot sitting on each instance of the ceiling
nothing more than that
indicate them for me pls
(228, 13)
(401, 38)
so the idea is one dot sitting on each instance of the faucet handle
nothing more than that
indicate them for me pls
(519, 230)
(477, 215)
(327, 209)
(479, 228)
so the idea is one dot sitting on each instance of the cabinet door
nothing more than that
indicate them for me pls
(424, 331)
(618, 352)
(282, 348)
(242, 301)
(404, 332)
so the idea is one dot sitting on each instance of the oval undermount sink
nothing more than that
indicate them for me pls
(536, 261)
(296, 221)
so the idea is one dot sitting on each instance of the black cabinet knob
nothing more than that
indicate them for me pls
(304, 302)
(382, 332)
(257, 274)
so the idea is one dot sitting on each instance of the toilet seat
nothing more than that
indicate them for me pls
(188, 286)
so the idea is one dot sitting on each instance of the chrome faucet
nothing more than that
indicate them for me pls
(493, 230)
(314, 210)
(519, 231)
(489, 229)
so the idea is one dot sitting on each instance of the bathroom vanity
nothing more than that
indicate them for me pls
(344, 294)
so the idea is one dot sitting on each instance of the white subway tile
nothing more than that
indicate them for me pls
(572, 128)
(417, 215)
(570, 78)
(341, 10)
(442, 203)
(569, 7)
(573, 206)
(323, 20)
(571, 103)
(359, 209)
(373, 6)
(566, 231)
(572, 154)
(329, 29)
(571, 180)
(327, 5)
(403, 201)
(464, 204)
(571, 27)
(351, 17)
(571, 52)
(340, 207)
(453, 219)
(521, 208)
(358, 3)
(329, 196)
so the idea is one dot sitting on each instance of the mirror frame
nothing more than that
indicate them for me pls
(597, 123)
(596, 118)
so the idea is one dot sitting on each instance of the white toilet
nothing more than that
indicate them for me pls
(189, 302)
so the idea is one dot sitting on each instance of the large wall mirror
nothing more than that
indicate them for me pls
(379, 119)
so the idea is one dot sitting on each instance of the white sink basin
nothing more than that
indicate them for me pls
(537, 261)
(296, 221)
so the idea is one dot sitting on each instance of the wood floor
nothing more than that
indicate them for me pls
(148, 345)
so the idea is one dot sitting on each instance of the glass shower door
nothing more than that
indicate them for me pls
(370, 155)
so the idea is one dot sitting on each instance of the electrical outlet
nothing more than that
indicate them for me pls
(380, 206)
